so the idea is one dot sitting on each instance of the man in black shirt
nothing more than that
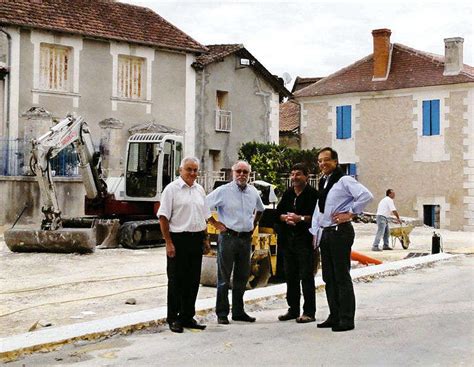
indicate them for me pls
(295, 210)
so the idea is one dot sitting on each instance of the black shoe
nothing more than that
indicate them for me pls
(223, 320)
(244, 317)
(387, 248)
(343, 327)
(327, 324)
(176, 327)
(287, 316)
(193, 324)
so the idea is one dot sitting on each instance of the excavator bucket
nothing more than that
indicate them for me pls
(64, 240)
(260, 269)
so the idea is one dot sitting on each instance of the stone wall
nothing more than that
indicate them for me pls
(16, 192)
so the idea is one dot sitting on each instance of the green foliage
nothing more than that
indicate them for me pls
(272, 161)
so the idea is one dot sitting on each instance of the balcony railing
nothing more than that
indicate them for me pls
(223, 120)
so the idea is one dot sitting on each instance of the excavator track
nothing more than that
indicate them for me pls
(141, 234)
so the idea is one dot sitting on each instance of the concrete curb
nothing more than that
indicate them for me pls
(49, 339)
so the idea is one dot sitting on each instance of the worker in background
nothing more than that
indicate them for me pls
(239, 208)
(385, 209)
(341, 198)
(295, 210)
(183, 213)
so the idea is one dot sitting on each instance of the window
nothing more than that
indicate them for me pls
(55, 68)
(431, 117)
(343, 122)
(223, 116)
(349, 169)
(130, 77)
(431, 215)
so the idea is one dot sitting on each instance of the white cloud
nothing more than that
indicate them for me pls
(316, 38)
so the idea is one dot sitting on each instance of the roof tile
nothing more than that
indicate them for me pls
(289, 116)
(98, 18)
(409, 68)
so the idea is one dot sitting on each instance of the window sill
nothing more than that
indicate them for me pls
(130, 100)
(223, 131)
(55, 93)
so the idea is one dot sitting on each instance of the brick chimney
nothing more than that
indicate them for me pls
(453, 55)
(382, 53)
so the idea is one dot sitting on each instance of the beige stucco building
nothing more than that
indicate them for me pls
(404, 119)
(237, 101)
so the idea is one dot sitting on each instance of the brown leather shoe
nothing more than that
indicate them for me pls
(287, 316)
(304, 319)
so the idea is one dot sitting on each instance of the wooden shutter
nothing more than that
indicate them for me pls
(435, 117)
(346, 122)
(426, 118)
(339, 130)
(352, 169)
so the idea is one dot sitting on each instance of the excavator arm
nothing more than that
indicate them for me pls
(71, 130)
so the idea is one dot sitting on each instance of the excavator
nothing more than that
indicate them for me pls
(119, 211)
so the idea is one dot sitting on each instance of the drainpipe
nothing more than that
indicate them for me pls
(201, 119)
(7, 96)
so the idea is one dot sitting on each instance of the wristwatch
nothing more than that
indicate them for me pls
(302, 218)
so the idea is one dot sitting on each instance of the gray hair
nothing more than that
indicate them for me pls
(234, 167)
(189, 159)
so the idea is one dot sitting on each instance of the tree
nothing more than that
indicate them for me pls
(272, 162)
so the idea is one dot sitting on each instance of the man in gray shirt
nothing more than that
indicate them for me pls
(239, 208)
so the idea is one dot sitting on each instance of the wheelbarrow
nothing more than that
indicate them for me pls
(402, 234)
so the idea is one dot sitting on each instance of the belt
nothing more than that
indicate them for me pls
(199, 233)
(238, 234)
(334, 228)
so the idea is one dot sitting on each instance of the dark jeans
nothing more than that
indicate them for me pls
(299, 258)
(336, 263)
(184, 272)
(233, 255)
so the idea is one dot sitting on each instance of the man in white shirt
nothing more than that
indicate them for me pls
(183, 213)
(385, 209)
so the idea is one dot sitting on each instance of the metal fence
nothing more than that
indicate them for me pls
(15, 159)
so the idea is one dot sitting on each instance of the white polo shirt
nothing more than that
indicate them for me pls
(386, 207)
(184, 206)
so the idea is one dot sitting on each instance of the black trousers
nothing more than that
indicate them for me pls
(298, 260)
(184, 272)
(336, 263)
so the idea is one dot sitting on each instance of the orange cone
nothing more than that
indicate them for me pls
(363, 259)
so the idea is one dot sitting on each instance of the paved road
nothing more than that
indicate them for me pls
(423, 317)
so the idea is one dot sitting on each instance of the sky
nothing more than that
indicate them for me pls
(317, 38)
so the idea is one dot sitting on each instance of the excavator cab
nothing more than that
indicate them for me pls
(152, 163)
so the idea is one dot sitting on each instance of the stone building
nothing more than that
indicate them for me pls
(404, 119)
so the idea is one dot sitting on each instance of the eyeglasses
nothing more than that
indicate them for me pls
(244, 171)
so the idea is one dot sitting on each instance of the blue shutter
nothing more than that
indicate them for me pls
(435, 117)
(352, 169)
(426, 118)
(339, 122)
(346, 122)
